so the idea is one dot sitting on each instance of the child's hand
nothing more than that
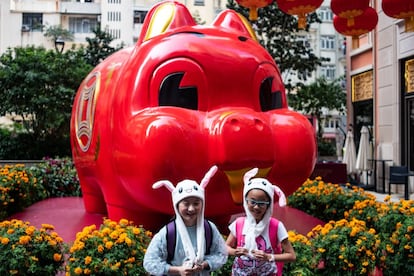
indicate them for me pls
(260, 255)
(240, 251)
(186, 270)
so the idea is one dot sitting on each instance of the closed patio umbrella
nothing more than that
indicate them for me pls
(364, 154)
(350, 153)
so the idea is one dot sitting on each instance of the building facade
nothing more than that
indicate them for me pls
(381, 93)
(22, 22)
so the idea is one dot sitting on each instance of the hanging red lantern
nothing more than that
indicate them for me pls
(363, 24)
(253, 6)
(300, 8)
(401, 9)
(349, 9)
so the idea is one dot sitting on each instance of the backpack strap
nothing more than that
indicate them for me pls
(208, 233)
(239, 230)
(273, 228)
(277, 247)
(171, 238)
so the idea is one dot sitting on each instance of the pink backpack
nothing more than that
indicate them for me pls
(273, 226)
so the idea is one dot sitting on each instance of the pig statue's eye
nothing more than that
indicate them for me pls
(269, 99)
(171, 94)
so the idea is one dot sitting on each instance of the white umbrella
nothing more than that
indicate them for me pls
(364, 152)
(350, 153)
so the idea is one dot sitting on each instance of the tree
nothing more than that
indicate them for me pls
(39, 85)
(278, 33)
(312, 99)
(57, 31)
(99, 47)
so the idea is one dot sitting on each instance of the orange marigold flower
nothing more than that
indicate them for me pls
(88, 260)
(5, 241)
(57, 257)
(78, 271)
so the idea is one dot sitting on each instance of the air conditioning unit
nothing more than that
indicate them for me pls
(25, 28)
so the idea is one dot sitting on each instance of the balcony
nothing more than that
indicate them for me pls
(67, 7)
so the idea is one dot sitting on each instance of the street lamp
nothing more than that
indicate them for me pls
(59, 44)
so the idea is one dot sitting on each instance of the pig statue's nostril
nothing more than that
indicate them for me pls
(259, 124)
(235, 124)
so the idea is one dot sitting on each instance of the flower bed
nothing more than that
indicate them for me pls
(362, 236)
(26, 250)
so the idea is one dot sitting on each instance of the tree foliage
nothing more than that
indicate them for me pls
(99, 47)
(312, 99)
(39, 86)
(278, 33)
(57, 31)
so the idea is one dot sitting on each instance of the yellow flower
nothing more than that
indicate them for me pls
(5, 241)
(24, 239)
(78, 271)
(88, 260)
(109, 245)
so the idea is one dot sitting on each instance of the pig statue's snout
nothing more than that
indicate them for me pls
(241, 137)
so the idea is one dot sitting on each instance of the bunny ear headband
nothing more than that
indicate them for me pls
(187, 188)
(263, 184)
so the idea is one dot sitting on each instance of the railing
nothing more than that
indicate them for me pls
(24, 162)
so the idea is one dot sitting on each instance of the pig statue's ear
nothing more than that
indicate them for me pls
(235, 22)
(164, 17)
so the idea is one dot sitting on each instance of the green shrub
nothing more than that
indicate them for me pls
(26, 250)
(116, 248)
(18, 189)
(326, 201)
(58, 176)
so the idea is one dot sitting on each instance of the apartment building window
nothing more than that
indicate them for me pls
(82, 24)
(303, 41)
(115, 33)
(114, 16)
(327, 42)
(139, 17)
(198, 2)
(325, 15)
(328, 71)
(331, 123)
(32, 22)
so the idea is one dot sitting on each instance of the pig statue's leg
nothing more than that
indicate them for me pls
(92, 195)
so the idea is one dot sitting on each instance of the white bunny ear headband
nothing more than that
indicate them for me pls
(263, 184)
(187, 188)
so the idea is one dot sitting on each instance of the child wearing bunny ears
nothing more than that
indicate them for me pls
(189, 255)
(251, 243)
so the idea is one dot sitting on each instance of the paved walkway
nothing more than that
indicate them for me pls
(69, 217)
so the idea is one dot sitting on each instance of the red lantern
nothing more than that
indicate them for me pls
(402, 9)
(349, 9)
(253, 6)
(363, 24)
(300, 8)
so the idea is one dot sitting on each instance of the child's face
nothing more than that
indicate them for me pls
(189, 209)
(257, 203)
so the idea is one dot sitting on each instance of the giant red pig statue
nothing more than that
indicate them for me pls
(184, 98)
